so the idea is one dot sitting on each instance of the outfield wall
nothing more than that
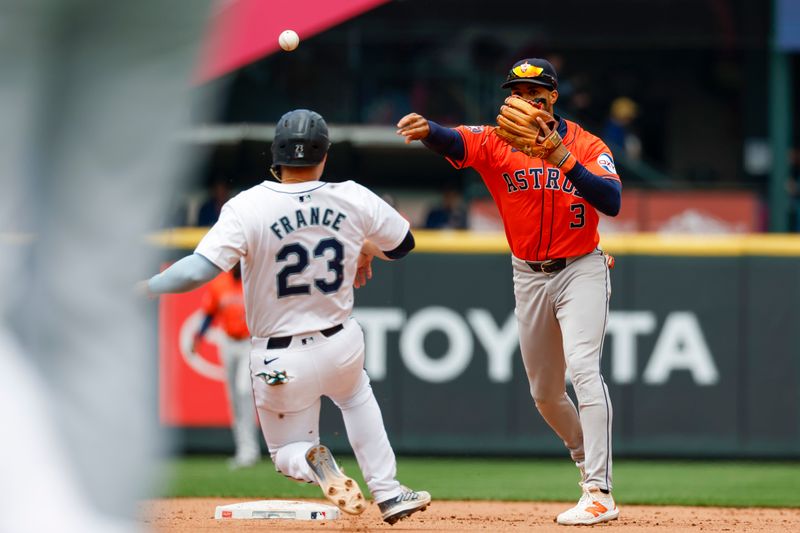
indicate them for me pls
(701, 357)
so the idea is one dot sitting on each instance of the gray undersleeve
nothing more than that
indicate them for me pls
(185, 275)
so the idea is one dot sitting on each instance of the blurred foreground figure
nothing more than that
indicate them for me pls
(91, 93)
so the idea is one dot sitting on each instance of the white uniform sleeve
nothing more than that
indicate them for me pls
(225, 243)
(385, 227)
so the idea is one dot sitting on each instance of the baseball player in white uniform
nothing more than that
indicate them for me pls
(300, 243)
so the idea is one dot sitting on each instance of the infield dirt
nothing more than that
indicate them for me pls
(181, 515)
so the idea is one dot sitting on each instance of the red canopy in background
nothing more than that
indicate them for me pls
(242, 31)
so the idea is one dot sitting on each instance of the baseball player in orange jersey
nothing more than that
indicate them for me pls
(224, 301)
(561, 277)
(303, 244)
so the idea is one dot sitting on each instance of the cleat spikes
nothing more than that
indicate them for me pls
(338, 488)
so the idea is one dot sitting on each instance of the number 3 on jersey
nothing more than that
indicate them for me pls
(580, 217)
(301, 255)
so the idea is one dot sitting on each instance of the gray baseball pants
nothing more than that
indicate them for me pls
(562, 320)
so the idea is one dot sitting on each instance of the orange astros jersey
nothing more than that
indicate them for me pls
(225, 300)
(543, 214)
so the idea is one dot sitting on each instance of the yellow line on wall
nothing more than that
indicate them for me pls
(180, 238)
(703, 245)
(465, 242)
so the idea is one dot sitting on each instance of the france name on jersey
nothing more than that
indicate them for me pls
(299, 245)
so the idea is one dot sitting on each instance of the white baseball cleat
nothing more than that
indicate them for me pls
(338, 488)
(406, 504)
(594, 507)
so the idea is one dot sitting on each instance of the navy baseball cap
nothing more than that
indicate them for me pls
(532, 70)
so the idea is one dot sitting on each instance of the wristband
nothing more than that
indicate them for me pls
(568, 163)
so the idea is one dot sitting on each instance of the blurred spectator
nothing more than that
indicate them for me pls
(565, 85)
(387, 108)
(389, 199)
(219, 193)
(392, 201)
(450, 214)
(618, 130)
(578, 102)
(574, 90)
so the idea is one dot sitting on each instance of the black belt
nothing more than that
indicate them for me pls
(549, 266)
(277, 343)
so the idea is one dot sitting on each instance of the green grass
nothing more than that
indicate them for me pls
(738, 484)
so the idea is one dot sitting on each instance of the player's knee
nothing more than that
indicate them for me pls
(589, 388)
(546, 403)
(363, 393)
(541, 400)
(585, 379)
(359, 398)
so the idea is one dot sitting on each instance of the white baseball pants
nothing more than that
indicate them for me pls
(289, 413)
(562, 321)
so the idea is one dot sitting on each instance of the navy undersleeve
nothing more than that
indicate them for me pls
(602, 193)
(445, 141)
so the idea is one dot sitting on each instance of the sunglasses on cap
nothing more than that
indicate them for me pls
(533, 73)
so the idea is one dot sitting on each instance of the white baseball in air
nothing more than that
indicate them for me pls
(288, 40)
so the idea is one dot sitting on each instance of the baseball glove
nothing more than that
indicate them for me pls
(517, 125)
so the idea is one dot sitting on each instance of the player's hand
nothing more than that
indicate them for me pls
(544, 130)
(363, 270)
(142, 289)
(413, 127)
(555, 152)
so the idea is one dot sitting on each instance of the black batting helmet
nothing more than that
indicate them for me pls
(301, 139)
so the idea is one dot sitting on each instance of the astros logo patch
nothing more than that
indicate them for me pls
(606, 163)
(474, 129)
